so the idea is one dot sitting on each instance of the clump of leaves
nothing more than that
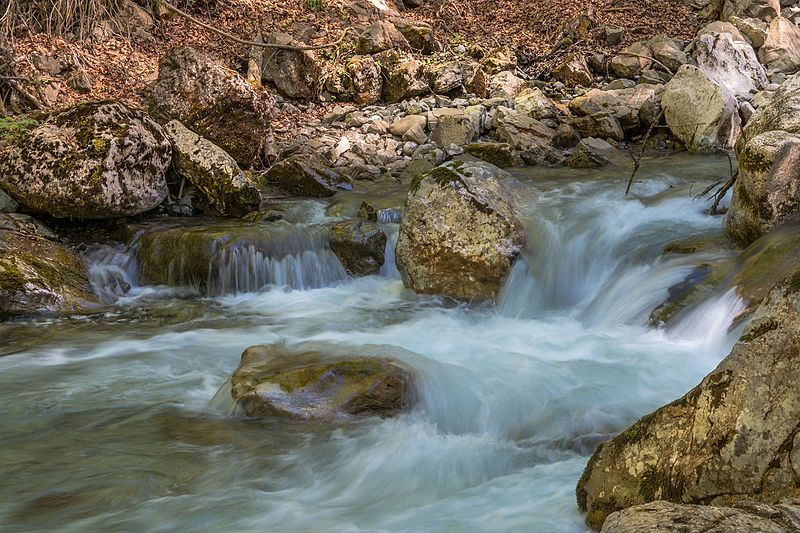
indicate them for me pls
(315, 5)
(13, 129)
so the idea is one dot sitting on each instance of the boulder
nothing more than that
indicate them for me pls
(454, 130)
(520, 130)
(701, 113)
(506, 85)
(475, 80)
(732, 437)
(359, 245)
(533, 103)
(211, 100)
(665, 517)
(754, 29)
(400, 126)
(381, 36)
(600, 125)
(634, 108)
(767, 190)
(732, 64)
(500, 60)
(668, 51)
(501, 155)
(403, 76)
(760, 9)
(209, 168)
(778, 110)
(632, 62)
(706, 9)
(590, 153)
(460, 234)
(306, 175)
(295, 73)
(38, 275)
(95, 160)
(781, 50)
(445, 77)
(419, 35)
(363, 80)
(573, 71)
(719, 26)
(315, 386)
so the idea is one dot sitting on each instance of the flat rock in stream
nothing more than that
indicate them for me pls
(315, 386)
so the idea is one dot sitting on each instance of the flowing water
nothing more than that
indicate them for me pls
(111, 423)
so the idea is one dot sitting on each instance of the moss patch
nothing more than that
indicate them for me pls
(11, 279)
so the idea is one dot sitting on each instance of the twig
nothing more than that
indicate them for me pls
(656, 61)
(28, 96)
(254, 43)
(637, 161)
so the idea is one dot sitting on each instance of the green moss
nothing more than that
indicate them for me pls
(11, 279)
(655, 484)
(759, 330)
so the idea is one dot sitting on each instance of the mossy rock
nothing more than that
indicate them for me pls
(315, 386)
(305, 175)
(359, 245)
(498, 154)
(95, 160)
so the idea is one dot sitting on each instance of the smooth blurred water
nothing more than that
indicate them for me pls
(109, 424)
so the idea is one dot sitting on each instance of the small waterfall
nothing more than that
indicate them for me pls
(389, 268)
(113, 271)
(223, 403)
(710, 320)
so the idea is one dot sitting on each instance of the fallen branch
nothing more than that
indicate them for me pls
(723, 187)
(656, 61)
(254, 43)
(637, 161)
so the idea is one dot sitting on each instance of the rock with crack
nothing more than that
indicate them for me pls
(460, 234)
(209, 168)
(734, 436)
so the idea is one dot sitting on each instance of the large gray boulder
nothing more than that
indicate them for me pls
(209, 168)
(95, 160)
(211, 100)
(635, 108)
(37, 274)
(732, 64)
(665, 517)
(781, 50)
(460, 234)
(700, 112)
(320, 387)
(735, 436)
(295, 73)
(767, 190)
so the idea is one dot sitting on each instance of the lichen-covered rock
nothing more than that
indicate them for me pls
(454, 130)
(573, 71)
(95, 160)
(359, 245)
(460, 234)
(500, 155)
(315, 386)
(535, 104)
(732, 64)
(212, 100)
(403, 76)
(445, 77)
(506, 85)
(519, 130)
(306, 175)
(590, 153)
(363, 80)
(665, 517)
(209, 168)
(499, 60)
(752, 28)
(295, 73)
(636, 58)
(767, 190)
(735, 436)
(38, 275)
(760, 9)
(781, 50)
(7, 204)
(419, 35)
(701, 113)
(600, 125)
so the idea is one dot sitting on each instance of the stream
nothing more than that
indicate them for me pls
(113, 421)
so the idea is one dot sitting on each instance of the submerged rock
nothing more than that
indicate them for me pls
(95, 160)
(732, 437)
(213, 171)
(460, 234)
(212, 100)
(359, 245)
(314, 386)
(665, 517)
(38, 275)
(306, 175)
(767, 190)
